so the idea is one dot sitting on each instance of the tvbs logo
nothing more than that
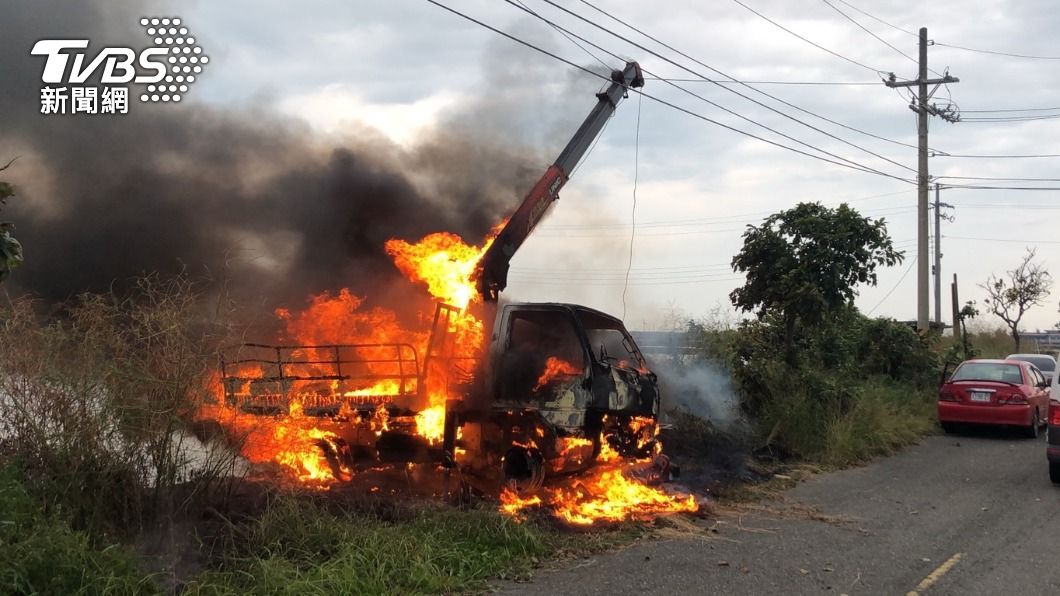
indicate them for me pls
(167, 68)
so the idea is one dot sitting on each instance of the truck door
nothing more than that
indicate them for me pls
(544, 366)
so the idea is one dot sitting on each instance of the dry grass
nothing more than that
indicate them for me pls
(93, 404)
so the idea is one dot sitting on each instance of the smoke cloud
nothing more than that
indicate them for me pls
(246, 195)
(702, 388)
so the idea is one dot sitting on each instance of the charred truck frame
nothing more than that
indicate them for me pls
(556, 382)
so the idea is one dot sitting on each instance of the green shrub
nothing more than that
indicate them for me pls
(837, 401)
(42, 555)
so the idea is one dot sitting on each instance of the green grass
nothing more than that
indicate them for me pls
(40, 554)
(881, 417)
(299, 547)
(886, 417)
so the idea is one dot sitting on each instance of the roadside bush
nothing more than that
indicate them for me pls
(837, 400)
(886, 416)
(93, 405)
(885, 347)
(42, 555)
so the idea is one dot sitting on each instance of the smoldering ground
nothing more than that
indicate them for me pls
(247, 195)
(704, 428)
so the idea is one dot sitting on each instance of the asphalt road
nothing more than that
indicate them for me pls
(954, 515)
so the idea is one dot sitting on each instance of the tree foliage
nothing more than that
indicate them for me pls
(10, 249)
(1010, 297)
(808, 261)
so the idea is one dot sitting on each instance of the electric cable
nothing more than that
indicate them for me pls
(1000, 179)
(983, 187)
(816, 45)
(663, 101)
(633, 215)
(878, 19)
(996, 53)
(708, 79)
(1010, 118)
(965, 156)
(571, 39)
(912, 262)
(1011, 110)
(866, 30)
(1017, 240)
(735, 82)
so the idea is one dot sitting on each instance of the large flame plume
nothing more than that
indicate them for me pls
(298, 443)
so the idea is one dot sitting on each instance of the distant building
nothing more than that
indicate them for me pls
(1042, 341)
(662, 342)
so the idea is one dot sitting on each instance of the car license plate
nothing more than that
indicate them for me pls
(980, 396)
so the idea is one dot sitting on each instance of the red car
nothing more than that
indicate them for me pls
(997, 392)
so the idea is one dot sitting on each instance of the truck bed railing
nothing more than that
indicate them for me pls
(262, 376)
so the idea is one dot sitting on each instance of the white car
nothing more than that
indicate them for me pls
(1046, 364)
(1052, 450)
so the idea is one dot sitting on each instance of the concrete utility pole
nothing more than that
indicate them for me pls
(923, 110)
(938, 255)
(938, 260)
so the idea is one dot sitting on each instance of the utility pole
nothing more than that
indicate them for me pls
(923, 110)
(938, 254)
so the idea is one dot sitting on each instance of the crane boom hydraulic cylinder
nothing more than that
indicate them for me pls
(492, 273)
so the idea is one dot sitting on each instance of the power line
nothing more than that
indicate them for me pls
(997, 178)
(1019, 206)
(939, 43)
(981, 187)
(900, 280)
(633, 215)
(788, 116)
(735, 82)
(738, 217)
(996, 53)
(1010, 118)
(816, 45)
(773, 97)
(682, 223)
(866, 30)
(1010, 110)
(1016, 240)
(657, 99)
(850, 164)
(944, 154)
(878, 19)
(571, 39)
(619, 282)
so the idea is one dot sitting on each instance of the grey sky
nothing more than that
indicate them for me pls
(401, 66)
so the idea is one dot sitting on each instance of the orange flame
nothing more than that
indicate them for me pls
(609, 493)
(443, 262)
(446, 265)
(555, 368)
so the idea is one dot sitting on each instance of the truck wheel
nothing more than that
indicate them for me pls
(1054, 472)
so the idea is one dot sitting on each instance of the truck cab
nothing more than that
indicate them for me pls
(558, 381)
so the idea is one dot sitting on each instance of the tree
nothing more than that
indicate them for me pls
(807, 261)
(1022, 288)
(10, 249)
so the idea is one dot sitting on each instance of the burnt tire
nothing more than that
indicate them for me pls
(1054, 472)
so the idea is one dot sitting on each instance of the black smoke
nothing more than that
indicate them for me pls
(248, 196)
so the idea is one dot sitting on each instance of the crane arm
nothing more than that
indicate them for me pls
(492, 272)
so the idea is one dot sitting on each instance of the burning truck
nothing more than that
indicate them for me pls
(512, 397)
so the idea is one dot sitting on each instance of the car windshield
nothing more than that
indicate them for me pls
(988, 371)
(1044, 363)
